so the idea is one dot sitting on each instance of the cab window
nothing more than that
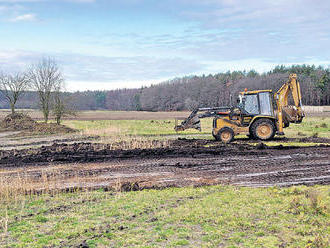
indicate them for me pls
(265, 103)
(251, 104)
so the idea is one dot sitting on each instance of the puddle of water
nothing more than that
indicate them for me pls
(298, 181)
(147, 174)
(313, 178)
(270, 172)
(5, 134)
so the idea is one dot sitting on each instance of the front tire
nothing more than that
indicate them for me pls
(225, 134)
(263, 129)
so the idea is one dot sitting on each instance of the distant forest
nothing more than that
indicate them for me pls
(196, 91)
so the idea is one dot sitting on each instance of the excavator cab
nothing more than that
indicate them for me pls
(257, 102)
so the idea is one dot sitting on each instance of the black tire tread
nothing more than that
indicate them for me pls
(218, 136)
(257, 123)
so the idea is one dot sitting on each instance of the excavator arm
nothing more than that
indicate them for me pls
(193, 120)
(286, 113)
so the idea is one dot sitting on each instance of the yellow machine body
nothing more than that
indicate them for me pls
(235, 125)
(258, 114)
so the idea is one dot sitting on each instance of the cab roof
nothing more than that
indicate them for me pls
(254, 92)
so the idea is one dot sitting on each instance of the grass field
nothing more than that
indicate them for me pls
(216, 216)
(134, 127)
(164, 129)
(133, 123)
(319, 126)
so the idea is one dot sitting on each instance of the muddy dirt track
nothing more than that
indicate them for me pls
(183, 163)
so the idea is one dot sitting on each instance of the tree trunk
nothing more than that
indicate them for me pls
(58, 120)
(12, 107)
(45, 110)
(46, 114)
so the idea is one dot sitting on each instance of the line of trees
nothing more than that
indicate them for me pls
(221, 89)
(45, 79)
(186, 93)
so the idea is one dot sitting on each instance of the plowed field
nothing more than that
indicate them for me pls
(183, 163)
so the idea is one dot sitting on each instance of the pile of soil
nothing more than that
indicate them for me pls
(23, 122)
(51, 128)
(17, 122)
(97, 152)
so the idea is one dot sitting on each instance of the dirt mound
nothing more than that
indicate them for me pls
(17, 121)
(95, 152)
(51, 128)
(23, 122)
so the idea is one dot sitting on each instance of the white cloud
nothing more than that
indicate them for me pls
(24, 18)
(99, 72)
(260, 65)
(116, 72)
(72, 85)
(214, 36)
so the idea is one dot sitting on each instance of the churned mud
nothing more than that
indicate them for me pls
(183, 163)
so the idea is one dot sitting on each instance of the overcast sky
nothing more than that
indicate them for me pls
(107, 44)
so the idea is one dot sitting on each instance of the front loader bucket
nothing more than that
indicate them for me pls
(192, 121)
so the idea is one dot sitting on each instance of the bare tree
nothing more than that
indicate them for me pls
(61, 107)
(12, 87)
(46, 78)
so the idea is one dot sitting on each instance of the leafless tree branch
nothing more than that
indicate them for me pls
(46, 78)
(12, 87)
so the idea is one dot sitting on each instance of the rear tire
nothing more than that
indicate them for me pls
(225, 134)
(263, 129)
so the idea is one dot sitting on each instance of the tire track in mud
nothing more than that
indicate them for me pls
(184, 163)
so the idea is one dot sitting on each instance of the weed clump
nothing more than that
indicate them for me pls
(324, 125)
(261, 146)
(314, 201)
(296, 206)
(311, 204)
(126, 187)
(315, 135)
(301, 134)
(292, 191)
(319, 242)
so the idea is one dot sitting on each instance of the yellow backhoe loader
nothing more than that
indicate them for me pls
(260, 114)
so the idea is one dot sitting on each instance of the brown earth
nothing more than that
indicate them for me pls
(184, 163)
(17, 121)
(23, 122)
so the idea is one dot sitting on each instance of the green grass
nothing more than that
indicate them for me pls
(135, 127)
(214, 216)
(164, 129)
(310, 126)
